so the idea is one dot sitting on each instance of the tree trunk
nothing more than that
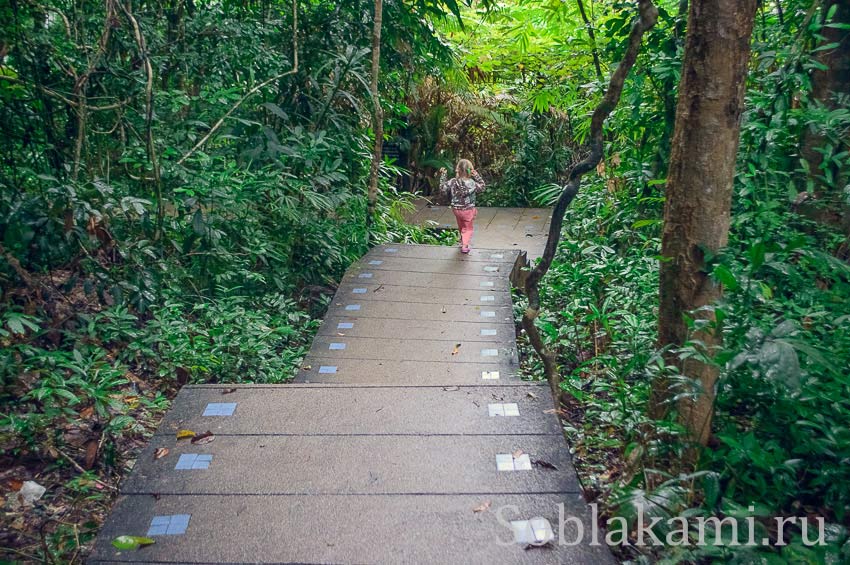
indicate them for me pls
(829, 207)
(699, 192)
(592, 35)
(377, 118)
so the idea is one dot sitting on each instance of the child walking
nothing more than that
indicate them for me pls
(463, 188)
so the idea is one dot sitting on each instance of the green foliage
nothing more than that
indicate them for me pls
(233, 339)
(186, 225)
(780, 439)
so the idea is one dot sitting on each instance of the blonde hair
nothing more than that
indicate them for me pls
(463, 168)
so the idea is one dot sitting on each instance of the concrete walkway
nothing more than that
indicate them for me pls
(405, 439)
(495, 228)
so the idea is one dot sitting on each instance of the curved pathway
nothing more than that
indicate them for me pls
(406, 438)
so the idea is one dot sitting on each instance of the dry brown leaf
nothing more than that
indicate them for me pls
(160, 453)
(547, 545)
(91, 453)
(544, 464)
(184, 434)
(456, 349)
(307, 367)
(206, 437)
(531, 395)
(182, 376)
(87, 412)
(481, 507)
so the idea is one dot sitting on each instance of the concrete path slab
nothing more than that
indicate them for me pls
(444, 253)
(380, 529)
(355, 464)
(304, 409)
(407, 437)
(366, 273)
(427, 351)
(447, 313)
(456, 332)
(482, 296)
(436, 266)
(495, 228)
(365, 372)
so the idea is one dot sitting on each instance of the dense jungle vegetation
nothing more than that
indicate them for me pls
(184, 182)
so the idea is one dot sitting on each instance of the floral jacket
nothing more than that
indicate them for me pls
(463, 191)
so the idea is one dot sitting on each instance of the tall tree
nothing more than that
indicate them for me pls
(377, 116)
(699, 195)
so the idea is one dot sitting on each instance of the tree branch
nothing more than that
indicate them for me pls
(648, 15)
(254, 90)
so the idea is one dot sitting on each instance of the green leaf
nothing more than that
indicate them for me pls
(644, 223)
(16, 326)
(711, 484)
(131, 542)
(724, 276)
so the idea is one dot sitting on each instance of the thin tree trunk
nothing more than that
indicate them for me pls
(589, 26)
(530, 281)
(377, 118)
(833, 79)
(699, 193)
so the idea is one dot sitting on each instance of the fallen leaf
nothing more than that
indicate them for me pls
(307, 367)
(228, 391)
(183, 434)
(182, 376)
(456, 349)
(15, 484)
(160, 453)
(87, 413)
(518, 453)
(131, 542)
(91, 453)
(131, 399)
(535, 217)
(206, 437)
(547, 545)
(531, 395)
(481, 507)
(544, 464)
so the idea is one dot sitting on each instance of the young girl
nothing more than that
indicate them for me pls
(463, 188)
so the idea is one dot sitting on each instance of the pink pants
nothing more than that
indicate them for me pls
(464, 224)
